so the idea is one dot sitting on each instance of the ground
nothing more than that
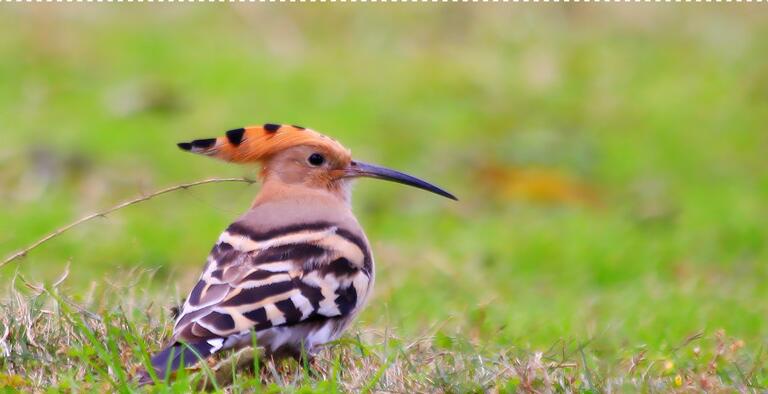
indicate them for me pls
(610, 164)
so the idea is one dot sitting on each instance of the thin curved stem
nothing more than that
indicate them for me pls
(23, 252)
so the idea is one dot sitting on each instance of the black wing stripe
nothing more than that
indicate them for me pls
(190, 316)
(219, 321)
(312, 293)
(194, 296)
(238, 228)
(296, 252)
(224, 254)
(339, 267)
(289, 310)
(205, 293)
(212, 293)
(346, 299)
(368, 263)
(260, 275)
(255, 294)
(259, 317)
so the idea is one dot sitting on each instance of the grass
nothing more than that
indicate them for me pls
(98, 346)
(610, 163)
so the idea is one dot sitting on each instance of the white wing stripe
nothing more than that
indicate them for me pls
(245, 244)
(278, 277)
(274, 315)
(303, 304)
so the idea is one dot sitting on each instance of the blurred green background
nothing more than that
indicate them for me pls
(610, 159)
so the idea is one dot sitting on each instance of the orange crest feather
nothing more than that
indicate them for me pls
(256, 143)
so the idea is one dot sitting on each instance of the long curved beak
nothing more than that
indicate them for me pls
(360, 169)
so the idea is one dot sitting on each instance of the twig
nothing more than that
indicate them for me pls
(23, 252)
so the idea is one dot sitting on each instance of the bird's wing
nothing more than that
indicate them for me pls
(277, 278)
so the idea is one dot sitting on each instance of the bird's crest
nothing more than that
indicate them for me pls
(256, 143)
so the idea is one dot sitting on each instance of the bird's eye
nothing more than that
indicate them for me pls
(316, 159)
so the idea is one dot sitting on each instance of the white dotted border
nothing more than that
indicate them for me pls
(383, 1)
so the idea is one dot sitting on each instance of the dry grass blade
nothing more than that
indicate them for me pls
(23, 252)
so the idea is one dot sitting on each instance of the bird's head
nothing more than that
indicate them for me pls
(295, 155)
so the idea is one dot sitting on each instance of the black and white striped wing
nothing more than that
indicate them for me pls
(283, 277)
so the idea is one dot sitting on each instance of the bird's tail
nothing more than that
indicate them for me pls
(174, 357)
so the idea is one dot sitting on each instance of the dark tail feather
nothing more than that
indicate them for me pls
(171, 358)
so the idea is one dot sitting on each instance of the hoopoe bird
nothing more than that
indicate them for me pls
(296, 268)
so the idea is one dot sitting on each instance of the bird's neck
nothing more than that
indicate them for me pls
(274, 190)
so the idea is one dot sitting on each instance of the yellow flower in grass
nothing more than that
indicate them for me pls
(678, 380)
(12, 381)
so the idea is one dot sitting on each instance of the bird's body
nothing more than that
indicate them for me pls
(284, 263)
(294, 270)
